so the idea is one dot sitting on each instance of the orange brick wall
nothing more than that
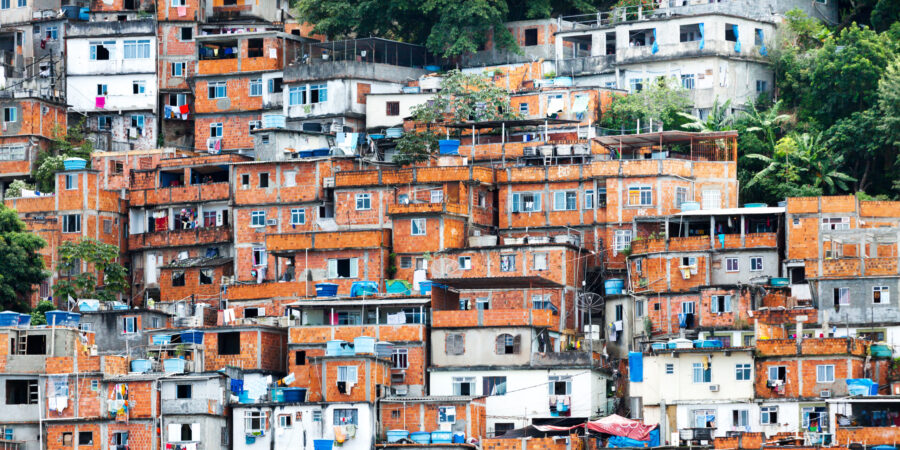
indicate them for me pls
(273, 343)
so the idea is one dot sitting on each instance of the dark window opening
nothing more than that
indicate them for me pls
(275, 85)
(130, 4)
(300, 358)
(206, 276)
(187, 33)
(501, 428)
(183, 391)
(531, 37)
(178, 278)
(620, 312)
(186, 434)
(36, 345)
(343, 268)
(251, 312)
(85, 438)
(798, 275)
(729, 32)
(245, 179)
(393, 109)
(102, 53)
(21, 392)
(689, 33)
(295, 32)
(254, 48)
(610, 43)
(263, 180)
(229, 344)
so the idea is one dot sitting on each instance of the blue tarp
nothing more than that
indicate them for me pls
(702, 37)
(622, 441)
(636, 366)
(360, 288)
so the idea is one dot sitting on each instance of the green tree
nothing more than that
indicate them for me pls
(889, 103)
(21, 266)
(661, 101)
(800, 166)
(38, 313)
(767, 123)
(719, 119)
(16, 187)
(101, 259)
(67, 143)
(463, 97)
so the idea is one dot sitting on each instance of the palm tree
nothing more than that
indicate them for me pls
(823, 164)
(768, 122)
(801, 160)
(719, 119)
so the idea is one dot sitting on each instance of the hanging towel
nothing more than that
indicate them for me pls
(737, 39)
(702, 37)
(184, 109)
(100, 102)
(655, 47)
(182, 11)
(682, 320)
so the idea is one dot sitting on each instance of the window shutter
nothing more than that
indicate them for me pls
(727, 303)
(174, 432)
(500, 344)
(714, 304)
(332, 268)
(195, 431)
(516, 199)
(354, 267)
(517, 343)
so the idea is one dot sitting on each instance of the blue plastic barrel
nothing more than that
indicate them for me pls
(425, 287)
(192, 337)
(364, 345)
(140, 365)
(420, 437)
(441, 437)
(74, 163)
(396, 435)
(614, 286)
(294, 395)
(9, 319)
(175, 365)
(24, 320)
(323, 444)
(459, 438)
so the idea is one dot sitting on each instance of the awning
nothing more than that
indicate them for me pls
(614, 425)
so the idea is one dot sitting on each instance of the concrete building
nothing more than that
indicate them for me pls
(119, 331)
(117, 90)
(193, 408)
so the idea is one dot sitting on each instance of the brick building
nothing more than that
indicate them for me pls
(30, 122)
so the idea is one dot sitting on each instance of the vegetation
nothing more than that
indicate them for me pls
(447, 27)
(661, 101)
(463, 97)
(16, 187)
(37, 314)
(100, 258)
(22, 267)
(67, 143)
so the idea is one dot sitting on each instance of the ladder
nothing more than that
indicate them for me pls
(23, 343)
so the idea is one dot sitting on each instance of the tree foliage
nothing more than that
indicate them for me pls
(67, 143)
(100, 258)
(463, 97)
(38, 316)
(21, 266)
(16, 187)
(661, 101)
(447, 27)
(718, 119)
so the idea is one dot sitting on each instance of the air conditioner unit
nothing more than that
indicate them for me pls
(271, 221)
(714, 388)
(825, 394)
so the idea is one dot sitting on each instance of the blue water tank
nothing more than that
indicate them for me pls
(614, 286)
(449, 146)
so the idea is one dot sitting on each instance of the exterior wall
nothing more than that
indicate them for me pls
(423, 416)
(252, 355)
(37, 122)
(480, 348)
(208, 435)
(682, 389)
(293, 437)
(109, 328)
(376, 108)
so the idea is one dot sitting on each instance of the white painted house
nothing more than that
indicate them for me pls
(300, 425)
(111, 80)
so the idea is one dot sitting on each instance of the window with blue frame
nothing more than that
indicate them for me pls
(4, 4)
(216, 89)
(10, 114)
(137, 49)
(256, 87)
(137, 121)
(298, 216)
(297, 95)
(318, 93)
(101, 50)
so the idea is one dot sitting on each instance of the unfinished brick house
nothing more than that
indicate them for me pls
(30, 122)
(177, 28)
(80, 208)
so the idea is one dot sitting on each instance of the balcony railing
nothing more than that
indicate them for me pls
(180, 238)
(180, 194)
(495, 317)
(695, 243)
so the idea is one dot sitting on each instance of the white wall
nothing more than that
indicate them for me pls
(376, 108)
(527, 393)
(82, 92)
(680, 387)
(78, 54)
(306, 429)
(341, 98)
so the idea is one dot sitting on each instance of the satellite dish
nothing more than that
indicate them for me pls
(445, 268)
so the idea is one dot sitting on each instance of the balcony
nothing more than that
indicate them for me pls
(180, 238)
(320, 334)
(336, 240)
(495, 318)
(698, 243)
(425, 208)
(811, 347)
(426, 175)
(180, 194)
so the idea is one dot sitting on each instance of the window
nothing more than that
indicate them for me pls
(465, 262)
(559, 385)
(10, 114)
(4, 4)
(101, 51)
(406, 262)
(298, 216)
(206, 276)
(216, 89)
(493, 386)
(254, 421)
(711, 199)
(636, 85)
(137, 121)
(245, 180)
(392, 108)
(681, 196)
(215, 131)
(12, 153)
(507, 263)
(177, 278)
(539, 261)
(638, 308)
(756, 263)
(67, 439)
(102, 90)
(284, 421)
(129, 324)
(768, 415)
(300, 358)
(526, 202)
(814, 416)
(670, 369)
(463, 385)
(179, 69)
(531, 37)
(176, 3)
(731, 265)
(687, 307)
(400, 358)
(762, 86)
(187, 34)
(507, 344)
(343, 268)
(640, 196)
(417, 227)
(542, 301)
(731, 32)
(71, 223)
(523, 109)
(137, 49)
(742, 372)
(564, 201)
(825, 373)
(256, 87)
(841, 296)
(740, 418)
(258, 219)
(622, 241)
(778, 373)
(318, 93)
(454, 344)
(71, 181)
(835, 223)
(687, 81)
(120, 438)
(229, 343)
(881, 295)
(620, 312)
(347, 374)
(263, 180)
(720, 304)
(259, 256)
(138, 87)
(21, 392)
(702, 373)
(85, 438)
(588, 199)
(482, 303)
(363, 202)
(183, 391)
